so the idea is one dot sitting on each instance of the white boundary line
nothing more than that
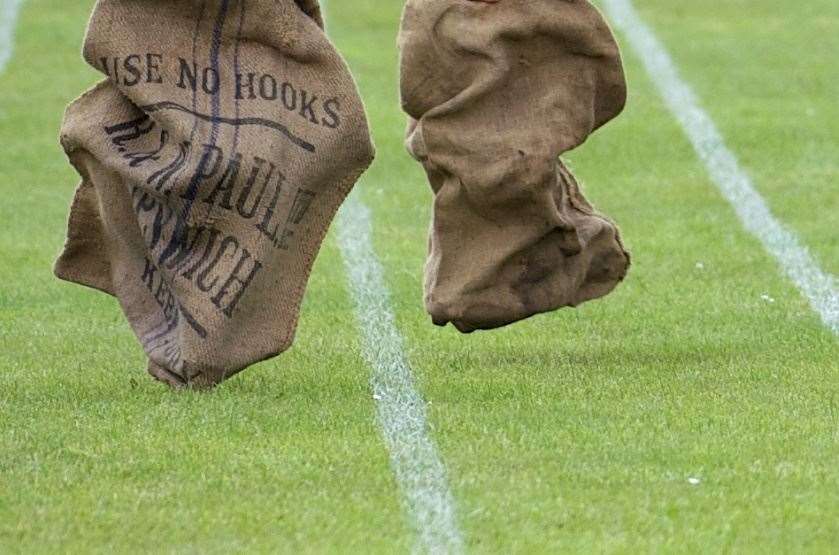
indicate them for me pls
(401, 412)
(8, 19)
(419, 471)
(733, 182)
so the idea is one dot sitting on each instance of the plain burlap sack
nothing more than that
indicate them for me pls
(496, 91)
(213, 159)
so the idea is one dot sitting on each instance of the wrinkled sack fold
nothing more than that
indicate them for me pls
(495, 91)
(213, 157)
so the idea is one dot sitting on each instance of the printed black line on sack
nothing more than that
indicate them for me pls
(236, 71)
(237, 122)
(192, 190)
(194, 56)
(215, 48)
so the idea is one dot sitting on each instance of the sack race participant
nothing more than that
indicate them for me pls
(213, 159)
(496, 90)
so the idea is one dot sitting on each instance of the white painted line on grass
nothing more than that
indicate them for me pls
(8, 20)
(734, 183)
(401, 411)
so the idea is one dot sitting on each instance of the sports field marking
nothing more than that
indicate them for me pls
(8, 18)
(401, 411)
(725, 170)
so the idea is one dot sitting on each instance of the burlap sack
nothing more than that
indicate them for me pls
(496, 91)
(213, 158)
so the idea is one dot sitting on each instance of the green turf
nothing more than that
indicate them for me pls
(770, 81)
(573, 432)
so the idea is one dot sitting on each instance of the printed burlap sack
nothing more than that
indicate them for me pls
(213, 158)
(496, 91)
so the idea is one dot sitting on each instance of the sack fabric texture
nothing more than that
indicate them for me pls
(213, 157)
(495, 91)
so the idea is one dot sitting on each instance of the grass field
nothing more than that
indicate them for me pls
(573, 432)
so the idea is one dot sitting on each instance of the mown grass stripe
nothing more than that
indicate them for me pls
(401, 411)
(8, 20)
(732, 180)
